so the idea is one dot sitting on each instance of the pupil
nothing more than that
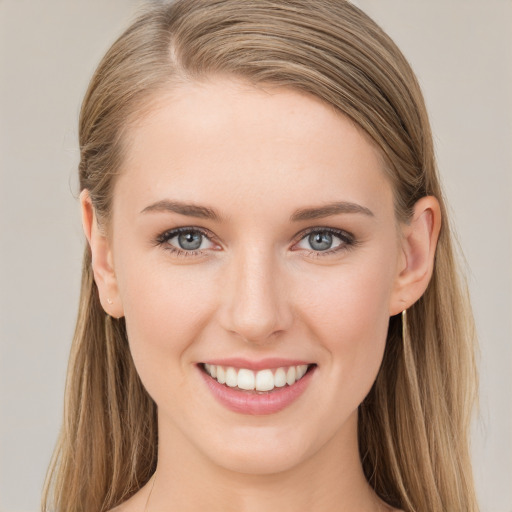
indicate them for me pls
(320, 241)
(190, 241)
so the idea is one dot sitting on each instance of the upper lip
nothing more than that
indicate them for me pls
(251, 364)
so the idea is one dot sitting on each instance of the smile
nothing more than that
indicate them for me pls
(262, 380)
(257, 391)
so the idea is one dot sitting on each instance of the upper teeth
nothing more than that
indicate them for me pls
(263, 380)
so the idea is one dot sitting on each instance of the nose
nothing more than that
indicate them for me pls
(256, 306)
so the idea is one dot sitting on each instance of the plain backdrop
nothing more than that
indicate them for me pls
(462, 53)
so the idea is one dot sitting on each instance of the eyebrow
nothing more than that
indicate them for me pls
(189, 209)
(330, 209)
(204, 212)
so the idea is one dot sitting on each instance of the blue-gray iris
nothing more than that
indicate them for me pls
(320, 241)
(190, 241)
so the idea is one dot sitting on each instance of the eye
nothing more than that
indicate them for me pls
(325, 240)
(190, 240)
(186, 240)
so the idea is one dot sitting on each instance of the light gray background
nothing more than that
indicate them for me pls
(462, 53)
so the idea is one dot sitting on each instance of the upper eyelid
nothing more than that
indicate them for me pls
(162, 240)
(320, 229)
(171, 233)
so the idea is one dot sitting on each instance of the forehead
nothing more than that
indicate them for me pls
(210, 141)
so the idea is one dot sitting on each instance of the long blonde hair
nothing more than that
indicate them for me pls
(413, 425)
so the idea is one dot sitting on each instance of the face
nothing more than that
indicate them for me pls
(253, 232)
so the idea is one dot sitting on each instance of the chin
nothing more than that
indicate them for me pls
(267, 450)
(261, 460)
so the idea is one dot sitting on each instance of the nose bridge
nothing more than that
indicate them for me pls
(256, 303)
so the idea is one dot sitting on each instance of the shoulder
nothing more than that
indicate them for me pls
(134, 504)
(124, 507)
(137, 502)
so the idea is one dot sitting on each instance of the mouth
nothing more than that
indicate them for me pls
(256, 391)
(261, 381)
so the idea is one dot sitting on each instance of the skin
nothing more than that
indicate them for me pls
(256, 289)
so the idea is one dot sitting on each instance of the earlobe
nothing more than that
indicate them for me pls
(102, 260)
(418, 248)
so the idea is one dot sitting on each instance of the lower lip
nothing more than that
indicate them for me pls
(245, 402)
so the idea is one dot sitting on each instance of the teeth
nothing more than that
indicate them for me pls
(221, 375)
(291, 374)
(245, 379)
(263, 380)
(280, 378)
(231, 378)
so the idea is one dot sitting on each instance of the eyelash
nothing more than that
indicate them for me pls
(347, 240)
(163, 239)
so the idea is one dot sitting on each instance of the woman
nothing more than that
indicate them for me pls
(271, 316)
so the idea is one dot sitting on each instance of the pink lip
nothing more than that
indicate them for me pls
(253, 403)
(263, 364)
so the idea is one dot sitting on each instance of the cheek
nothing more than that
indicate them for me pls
(165, 311)
(349, 314)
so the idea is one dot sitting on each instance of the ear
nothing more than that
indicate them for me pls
(102, 259)
(418, 247)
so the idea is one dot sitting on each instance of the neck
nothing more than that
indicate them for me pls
(330, 479)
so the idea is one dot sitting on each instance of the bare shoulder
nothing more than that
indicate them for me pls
(135, 504)
(124, 507)
(389, 508)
